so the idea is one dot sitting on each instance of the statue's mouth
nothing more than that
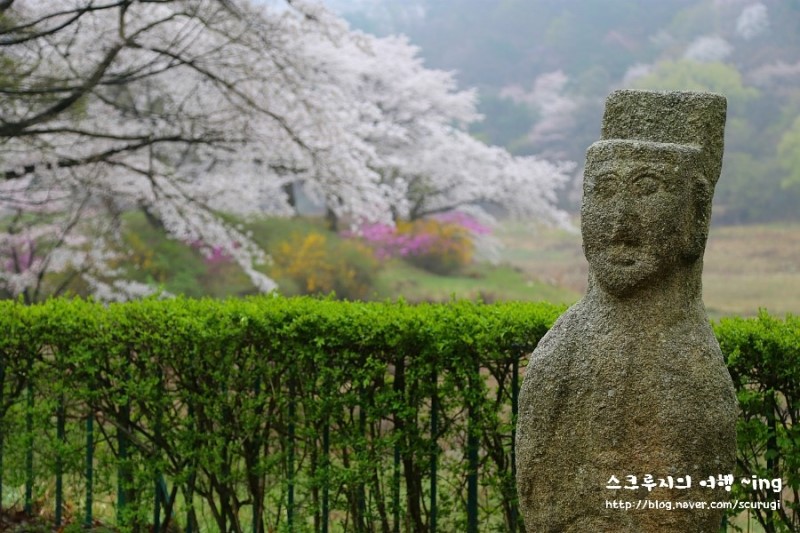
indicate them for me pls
(623, 254)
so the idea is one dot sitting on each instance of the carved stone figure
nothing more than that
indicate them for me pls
(630, 381)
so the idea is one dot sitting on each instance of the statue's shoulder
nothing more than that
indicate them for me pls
(566, 330)
(571, 317)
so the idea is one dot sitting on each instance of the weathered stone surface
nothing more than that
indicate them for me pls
(630, 381)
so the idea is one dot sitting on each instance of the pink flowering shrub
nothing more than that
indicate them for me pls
(464, 220)
(388, 242)
(440, 244)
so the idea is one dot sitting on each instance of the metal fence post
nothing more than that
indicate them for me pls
(258, 510)
(89, 467)
(362, 430)
(396, 489)
(326, 457)
(190, 516)
(290, 462)
(472, 453)
(29, 442)
(158, 430)
(399, 390)
(2, 423)
(123, 470)
(514, 412)
(62, 441)
(434, 445)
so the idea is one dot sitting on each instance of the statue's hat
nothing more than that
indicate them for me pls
(682, 118)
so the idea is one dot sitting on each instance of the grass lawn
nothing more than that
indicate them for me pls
(485, 281)
(746, 267)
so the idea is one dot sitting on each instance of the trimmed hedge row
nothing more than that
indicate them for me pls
(763, 356)
(244, 405)
(274, 414)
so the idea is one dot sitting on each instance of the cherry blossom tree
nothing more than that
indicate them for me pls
(188, 109)
(416, 120)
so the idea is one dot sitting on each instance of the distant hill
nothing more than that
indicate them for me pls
(543, 68)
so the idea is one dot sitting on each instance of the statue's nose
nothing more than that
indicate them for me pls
(625, 220)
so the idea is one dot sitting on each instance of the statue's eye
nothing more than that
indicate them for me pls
(646, 184)
(605, 185)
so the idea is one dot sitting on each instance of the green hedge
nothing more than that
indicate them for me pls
(763, 356)
(271, 414)
(231, 404)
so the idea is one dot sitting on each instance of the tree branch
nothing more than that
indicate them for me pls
(14, 129)
(232, 89)
(106, 154)
(77, 13)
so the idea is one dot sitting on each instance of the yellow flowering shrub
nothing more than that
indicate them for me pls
(318, 265)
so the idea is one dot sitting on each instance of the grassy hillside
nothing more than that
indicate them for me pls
(178, 268)
(484, 281)
(746, 267)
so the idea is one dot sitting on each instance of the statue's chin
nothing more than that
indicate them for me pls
(624, 278)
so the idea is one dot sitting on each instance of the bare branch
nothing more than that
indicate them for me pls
(13, 129)
(105, 155)
(75, 15)
(232, 89)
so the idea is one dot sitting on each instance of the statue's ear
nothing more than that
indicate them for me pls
(702, 193)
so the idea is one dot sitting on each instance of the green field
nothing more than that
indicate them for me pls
(480, 281)
(746, 267)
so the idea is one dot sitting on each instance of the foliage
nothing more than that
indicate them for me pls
(442, 244)
(439, 247)
(480, 281)
(145, 259)
(750, 52)
(508, 125)
(319, 265)
(763, 356)
(789, 155)
(687, 75)
(202, 392)
(740, 196)
(146, 256)
(151, 258)
(217, 396)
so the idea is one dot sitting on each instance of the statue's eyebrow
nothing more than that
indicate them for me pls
(604, 174)
(602, 178)
(656, 170)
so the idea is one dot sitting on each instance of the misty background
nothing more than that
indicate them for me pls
(544, 67)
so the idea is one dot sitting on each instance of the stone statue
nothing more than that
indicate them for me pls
(630, 381)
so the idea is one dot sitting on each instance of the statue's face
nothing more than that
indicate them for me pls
(636, 218)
